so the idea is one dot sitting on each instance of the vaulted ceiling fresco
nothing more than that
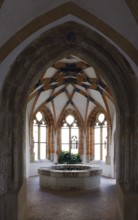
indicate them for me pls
(71, 83)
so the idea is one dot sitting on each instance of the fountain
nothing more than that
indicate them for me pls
(70, 177)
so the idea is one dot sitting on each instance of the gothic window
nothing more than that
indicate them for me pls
(100, 137)
(70, 135)
(39, 137)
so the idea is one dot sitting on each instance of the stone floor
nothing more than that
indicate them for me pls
(86, 205)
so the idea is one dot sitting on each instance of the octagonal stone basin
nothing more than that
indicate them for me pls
(70, 177)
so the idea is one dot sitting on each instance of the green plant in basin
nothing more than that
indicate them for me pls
(68, 158)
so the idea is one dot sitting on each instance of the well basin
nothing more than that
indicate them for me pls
(70, 177)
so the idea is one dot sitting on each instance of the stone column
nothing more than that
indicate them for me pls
(88, 144)
(32, 154)
(55, 146)
(108, 158)
(127, 167)
(84, 145)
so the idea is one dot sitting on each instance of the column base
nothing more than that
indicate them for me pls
(55, 158)
(13, 205)
(32, 157)
(84, 159)
(108, 160)
(127, 205)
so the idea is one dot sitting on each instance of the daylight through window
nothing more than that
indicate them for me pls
(100, 138)
(70, 135)
(39, 137)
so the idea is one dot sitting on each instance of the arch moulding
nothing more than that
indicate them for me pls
(55, 14)
(71, 38)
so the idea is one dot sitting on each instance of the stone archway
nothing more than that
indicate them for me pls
(69, 38)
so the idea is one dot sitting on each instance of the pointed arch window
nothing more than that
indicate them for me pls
(39, 137)
(100, 137)
(70, 135)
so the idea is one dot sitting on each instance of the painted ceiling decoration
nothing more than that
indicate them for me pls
(68, 83)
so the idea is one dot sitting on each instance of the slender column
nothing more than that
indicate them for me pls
(108, 158)
(52, 150)
(92, 144)
(55, 146)
(81, 147)
(70, 139)
(32, 156)
(101, 146)
(88, 144)
(47, 142)
(58, 140)
(84, 145)
(39, 142)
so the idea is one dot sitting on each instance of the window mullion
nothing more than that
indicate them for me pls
(39, 142)
(69, 139)
(46, 142)
(101, 146)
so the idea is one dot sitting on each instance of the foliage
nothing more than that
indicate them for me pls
(68, 158)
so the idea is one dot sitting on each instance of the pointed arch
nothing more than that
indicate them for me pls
(55, 14)
(89, 46)
(28, 68)
(90, 131)
(80, 123)
(47, 116)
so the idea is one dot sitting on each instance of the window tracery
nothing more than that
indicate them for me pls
(100, 137)
(39, 137)
(70, 134)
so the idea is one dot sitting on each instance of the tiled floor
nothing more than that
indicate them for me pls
(88, 205)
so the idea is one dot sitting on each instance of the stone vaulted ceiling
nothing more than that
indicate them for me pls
(71, 83)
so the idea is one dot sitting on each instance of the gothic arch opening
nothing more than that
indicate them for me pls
(72, 87)
(64, 40)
